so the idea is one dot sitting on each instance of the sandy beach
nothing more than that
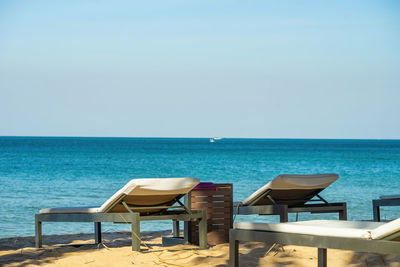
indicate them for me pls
(116, 251)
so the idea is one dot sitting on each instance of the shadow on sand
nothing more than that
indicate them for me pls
(21, 252)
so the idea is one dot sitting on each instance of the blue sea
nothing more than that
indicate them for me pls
(42, 172)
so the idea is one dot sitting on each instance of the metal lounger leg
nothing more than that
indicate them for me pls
(203, 230)
(187, 225)
(97, 232)
(136, 232)
(233, 250)
(282, 210)
(175, 228)
(187, 232)
(38, 232)
(343, 213)
(376, 211)
(322, 257)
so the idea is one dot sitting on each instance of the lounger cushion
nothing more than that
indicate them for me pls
(386, 229)
(350, 229)
(139, 192)
(71, 210)
(292, 187)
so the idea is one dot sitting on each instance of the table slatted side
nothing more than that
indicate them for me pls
(219, 205)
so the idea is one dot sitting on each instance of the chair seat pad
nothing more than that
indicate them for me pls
(350, 229)
(71, 210)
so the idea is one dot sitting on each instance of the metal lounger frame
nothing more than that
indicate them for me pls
(179, 213)
(321, 242)
(283, 208)
(377, 203)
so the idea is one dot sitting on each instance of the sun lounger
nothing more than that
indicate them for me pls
(387, 200)
(291, 193)
(362, 236)
(139, 200)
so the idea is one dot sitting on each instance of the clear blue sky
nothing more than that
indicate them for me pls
(265, 69)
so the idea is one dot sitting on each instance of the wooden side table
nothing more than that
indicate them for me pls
(218, 203)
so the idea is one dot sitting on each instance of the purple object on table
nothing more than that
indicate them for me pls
(205, 186)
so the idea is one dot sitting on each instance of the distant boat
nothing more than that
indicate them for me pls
(213, 139)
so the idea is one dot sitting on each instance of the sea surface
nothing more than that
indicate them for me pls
(42, 172)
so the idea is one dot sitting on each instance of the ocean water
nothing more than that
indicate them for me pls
(41, 172)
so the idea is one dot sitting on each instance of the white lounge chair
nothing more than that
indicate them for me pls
(292, 193)
(139, 200)
(360, 236)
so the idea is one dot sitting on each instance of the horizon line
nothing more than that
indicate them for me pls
(185, 137)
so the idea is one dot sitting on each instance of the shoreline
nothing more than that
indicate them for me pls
(80, 250)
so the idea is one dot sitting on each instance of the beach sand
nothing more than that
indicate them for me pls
(116, 251)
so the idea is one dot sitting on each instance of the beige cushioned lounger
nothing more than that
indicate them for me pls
(295, 188)
(139, 192)
(362, 236)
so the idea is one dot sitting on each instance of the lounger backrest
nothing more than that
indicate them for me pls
(387, 230)
(149, 192)
(291, 189)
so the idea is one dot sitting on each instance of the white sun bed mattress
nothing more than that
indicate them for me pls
(350, 229)
(146, 188)
(294, 182)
